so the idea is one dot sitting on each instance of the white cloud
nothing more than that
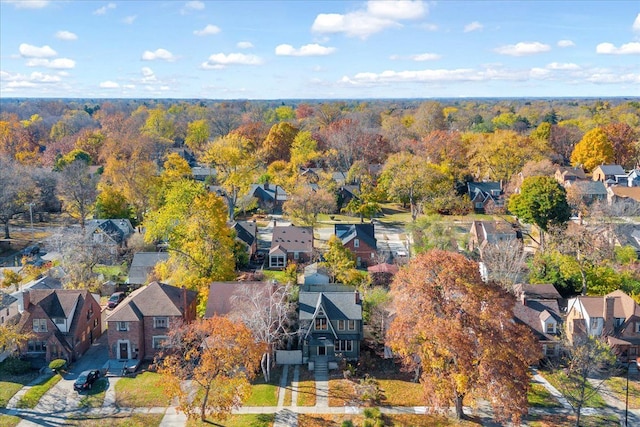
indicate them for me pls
(608, 77)
(397, 9)
(109, 85)
(221, 60)
(103, 10)
(430, 27)
(29, 4)
(426, 57)
(474, 26)
(207, 31)
(30, 51)
(20, 80)
(636, 24)
(162, 54)
(563, 66)
(191, 6)
(244, 45)
(523, 48)
(66, 35)
(632, 48)
(129, 19)
(539, 73)
(148, 76)
(58, 63)
(565, 43)
(306, 50)
(378, 16)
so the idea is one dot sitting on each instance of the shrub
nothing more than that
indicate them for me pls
(15, 366)
(57, 365)
(372, 413)
(347, 423)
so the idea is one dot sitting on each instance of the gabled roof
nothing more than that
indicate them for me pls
(337, 305)
(292, 238)
(610, 170)
(57, 303)
(535, 313)
(595, 306)
(364, 232)
(591, 188)
(482, 191)
(539, 291)
(246, 231)
(6, 300)
(571, 172)
(627, 234)
(632, 193)
(383, 268)
(155, 299)
(117, 229)
(268, 192)
(143, 263)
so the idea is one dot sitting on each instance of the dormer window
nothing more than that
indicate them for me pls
(550, 327)
(618, 322)
(321, 324)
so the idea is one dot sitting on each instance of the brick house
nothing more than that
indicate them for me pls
(137, 328)
(63, 324)
(290, 244)
(615, 316)
(360, 240)
(538, 308)
(485, 195)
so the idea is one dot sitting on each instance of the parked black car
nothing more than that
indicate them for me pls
(115, 299)
(86, 379)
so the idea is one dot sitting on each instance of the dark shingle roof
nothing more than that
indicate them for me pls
(337, 305)
(364, 232)
(155, 299)
(6, 300)
(246, 231)
(143, 264)
(293, 239)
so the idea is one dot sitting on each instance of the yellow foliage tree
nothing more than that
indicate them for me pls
(594, 149)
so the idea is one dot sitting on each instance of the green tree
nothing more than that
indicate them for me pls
(303, 150)
(111, 203)
(594, 149)
(542, 201)
(197, 135)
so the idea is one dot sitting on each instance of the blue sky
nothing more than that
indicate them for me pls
(318, 49)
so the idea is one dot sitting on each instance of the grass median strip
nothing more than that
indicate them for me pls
(35, 393)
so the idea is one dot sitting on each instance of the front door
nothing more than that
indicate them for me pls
(124, 350)
(322, 351)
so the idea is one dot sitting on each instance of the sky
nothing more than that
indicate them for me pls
(299, 49)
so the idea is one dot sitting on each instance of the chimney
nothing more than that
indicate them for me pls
(609, 303)
(357, 297)
(26, 300)
(523, 298)
(266, 185)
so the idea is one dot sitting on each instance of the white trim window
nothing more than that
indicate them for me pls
(344, 345)
(341, 325)
(321, 324)
(356, 243)
(123, 326)
(39, 325)
(550, 327)
(160, 322)
(159, 341)
(351, 325)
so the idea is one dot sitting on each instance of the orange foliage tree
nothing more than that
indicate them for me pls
(457, 332)
(219, 357)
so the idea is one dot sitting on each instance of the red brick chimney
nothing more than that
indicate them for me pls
(609, 303)
(357, 297)
(26, 300)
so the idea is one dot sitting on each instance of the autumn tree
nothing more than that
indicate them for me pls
(413, 180)
(585, 358)
(505, 261)
(563, 139)
(193, 223)
(11, 339)
(17, 190)
(77, 188)
(542, 201)
(594, 149)
(306, 203)
(623, 139)
(457, 332)
(277, 144)
(218, 357)
(236, 165)
(339, 261)
(197, 135)
(269, 313)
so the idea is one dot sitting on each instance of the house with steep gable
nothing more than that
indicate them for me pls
(290, 244)
(610, 174)
(360, 239)
(615, 317)
(143, 264)
(138, 327)
(566, 175)
(484, 233)
(110, 233)
(538, 307)
(485, 195)
(330, 318)
(247, 233)
(270, 197)
(62, 324)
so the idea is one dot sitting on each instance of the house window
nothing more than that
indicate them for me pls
(296, 255)
(344, 345)
(356, 243)
(160, 322)
(351, 325)
(637, 327)
(341, 325)
(619, 321)
(321, 324)
(123, 326)
(550, 328)
(479, 205)
(277, 261)
(36, 346)
(39, 325)
(549, 350)
(158, 341)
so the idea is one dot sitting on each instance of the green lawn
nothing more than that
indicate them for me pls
(244, 420)
(143, 390)
(35, 393)
(306, 388)
(618, 385)
(9, 420)
(111, 272)
(120, 420)
(570, 421)
(94, 398)
(539, 396)
(263, 394)
(558, 380)
(11, 384)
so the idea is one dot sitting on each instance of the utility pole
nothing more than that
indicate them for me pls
(33, 232)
